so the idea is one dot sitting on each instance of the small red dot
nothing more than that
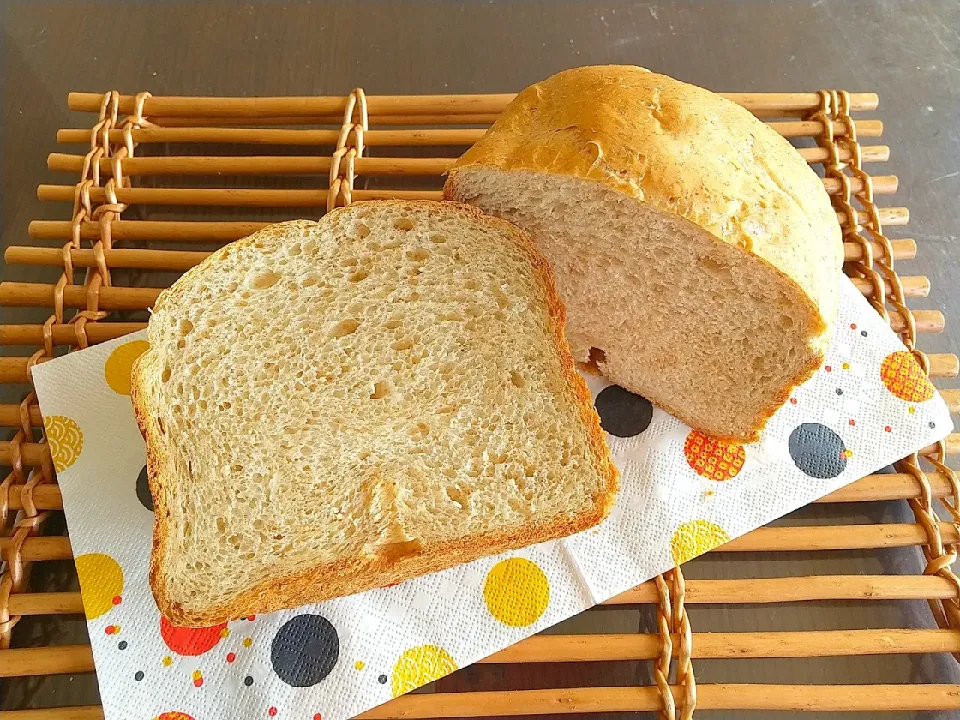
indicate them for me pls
(828, 368)
(853, 326)
(110, 629)
(852, 422)
(231, 657)
(793, 401)
(272, 711)
(317, 716)
(888, 429)
(117, 600)
(198, 682)
(251, 618)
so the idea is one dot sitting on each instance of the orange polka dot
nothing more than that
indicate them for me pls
(711, 458)
(903, 376)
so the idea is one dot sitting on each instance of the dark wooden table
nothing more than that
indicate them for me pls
(908, 52)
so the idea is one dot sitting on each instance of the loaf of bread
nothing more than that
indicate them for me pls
(697, 253)
(335, 406)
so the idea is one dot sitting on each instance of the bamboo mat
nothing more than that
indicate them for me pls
(156, 183)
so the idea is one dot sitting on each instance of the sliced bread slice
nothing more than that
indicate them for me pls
(697, 253)
(335, 406)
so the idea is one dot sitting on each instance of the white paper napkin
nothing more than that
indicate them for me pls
(682, 494)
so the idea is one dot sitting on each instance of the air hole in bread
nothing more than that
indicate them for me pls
(438, 238)
(264, 280)
(517, 379)
(380, 390)
(450, 317)
(403, 224)
(719, 270)
(785, 321)
(597, 357)
(358, 276)
(294, 249)
(418, 254)
(344, 328)
(393, 323)
(362, 230)
(165, 375)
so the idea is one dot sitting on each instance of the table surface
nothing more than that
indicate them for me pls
(908, 52)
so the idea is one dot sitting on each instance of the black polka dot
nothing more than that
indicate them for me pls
(932, 425)
(248, 681)
(305, 650)
(122, 645)
(143, 490)
(622, 413)
(382, 679)
(817, 450)
(139, 676)
(839, 391)
(863, 333)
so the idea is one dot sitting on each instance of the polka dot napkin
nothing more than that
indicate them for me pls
(683, 493)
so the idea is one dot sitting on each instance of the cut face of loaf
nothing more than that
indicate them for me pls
(713, 335)
(698, 255)
(336, 406)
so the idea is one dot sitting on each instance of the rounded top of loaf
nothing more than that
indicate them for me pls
(683, 149)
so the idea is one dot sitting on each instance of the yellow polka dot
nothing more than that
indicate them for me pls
(225, 633)
(197, 674)
(912, 410)
(903, 376)
(846, 366)
(359, 665)
(247, 642)
(516, 592)
(167, 661)
(117, 369)
(65, 440)
(418, 666)
(101, 580)
(695, 538)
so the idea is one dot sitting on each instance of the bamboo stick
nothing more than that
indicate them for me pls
(375, 138)
(38, 549)
(45, 603)
(56, 660)
(10, 414)
(259, 197)
(186, 231)
(32, 454)
(765, 539)
(482, 119)
(698, 592)
(240, 197)
(14, 369)
(66, 334)
(913, 286)
(45, 497)
(17, 294)
(506, 703)
(952, 398)
(63, 659)
(798, 589)
(951, 445)
(288, 165)
(723, 645)
(313, 106)
(836, 698)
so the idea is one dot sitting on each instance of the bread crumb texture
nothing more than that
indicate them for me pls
(334, 406)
